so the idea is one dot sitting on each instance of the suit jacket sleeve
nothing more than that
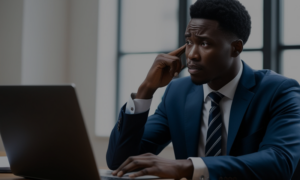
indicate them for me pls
(136, 134)
(278, 152)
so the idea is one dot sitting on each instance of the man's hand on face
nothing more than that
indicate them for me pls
(164, 68)
(149, 164)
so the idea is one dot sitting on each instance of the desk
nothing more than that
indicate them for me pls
(8, 176)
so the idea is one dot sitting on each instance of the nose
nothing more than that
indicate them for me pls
(194, 53)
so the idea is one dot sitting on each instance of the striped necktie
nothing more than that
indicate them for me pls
(214, 133)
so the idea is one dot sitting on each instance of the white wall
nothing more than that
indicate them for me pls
(107, 63)
(11, 17)
(44, 45)
(54, 42)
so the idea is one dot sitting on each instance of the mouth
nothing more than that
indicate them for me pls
(195, 69)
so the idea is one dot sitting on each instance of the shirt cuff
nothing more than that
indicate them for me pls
(200, 169)
(136, 106)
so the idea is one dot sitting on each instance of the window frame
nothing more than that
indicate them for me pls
(271, 49)
(182, 23)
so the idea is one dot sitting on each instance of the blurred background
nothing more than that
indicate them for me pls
(99, 46)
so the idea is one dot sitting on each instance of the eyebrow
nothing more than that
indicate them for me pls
(199, 36)
(187, 35)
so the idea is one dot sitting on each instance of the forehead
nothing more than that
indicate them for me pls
(202, 26)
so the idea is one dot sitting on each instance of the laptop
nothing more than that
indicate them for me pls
(44, 134)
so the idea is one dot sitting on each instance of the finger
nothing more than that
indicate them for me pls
(173, 70)
(130, 159)
(173, 63)
(179, 68)
(143, 172)
(183, 66)
(127, 161)
(180, 65)
(178, 51)
(146, 154)
(137, 164)
(169, 56)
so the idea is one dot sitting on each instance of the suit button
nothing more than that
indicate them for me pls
(202, 177)
(132, 109)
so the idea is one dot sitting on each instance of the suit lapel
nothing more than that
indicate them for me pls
(240, 103)
(242, 99)
(192, 113)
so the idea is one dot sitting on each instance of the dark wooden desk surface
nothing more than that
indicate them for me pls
(8, 176)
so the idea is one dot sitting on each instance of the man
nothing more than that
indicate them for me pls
(225, 120)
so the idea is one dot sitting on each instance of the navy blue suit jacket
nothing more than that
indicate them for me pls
(263, 135)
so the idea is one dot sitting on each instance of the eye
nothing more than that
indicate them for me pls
(188, 42)
(204, 44)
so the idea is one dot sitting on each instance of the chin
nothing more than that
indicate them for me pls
(199, 81)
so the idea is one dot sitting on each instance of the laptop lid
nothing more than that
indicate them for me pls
(44, 134)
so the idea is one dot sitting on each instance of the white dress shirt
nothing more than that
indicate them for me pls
(135, 106)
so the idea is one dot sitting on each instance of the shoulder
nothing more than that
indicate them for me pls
(182, 84)
(180, 87)
(270, 79)
(180, 81)
(275, 87)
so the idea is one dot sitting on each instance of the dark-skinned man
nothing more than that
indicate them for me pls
(225, 121)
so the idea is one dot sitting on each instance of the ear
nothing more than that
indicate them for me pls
(236, 47)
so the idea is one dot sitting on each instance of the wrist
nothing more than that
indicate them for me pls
(145, 92)
(187, 169)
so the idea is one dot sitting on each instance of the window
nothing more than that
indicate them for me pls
(161, 24)
(253, 49)
(291, 64)
(289, 47)
(147, 28)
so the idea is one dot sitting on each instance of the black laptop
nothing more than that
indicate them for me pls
(43, 133)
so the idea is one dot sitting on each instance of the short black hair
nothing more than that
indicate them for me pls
(231, 15)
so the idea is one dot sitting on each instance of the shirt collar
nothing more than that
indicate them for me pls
(227, 90)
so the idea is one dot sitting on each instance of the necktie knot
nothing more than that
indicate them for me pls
(215, 98)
